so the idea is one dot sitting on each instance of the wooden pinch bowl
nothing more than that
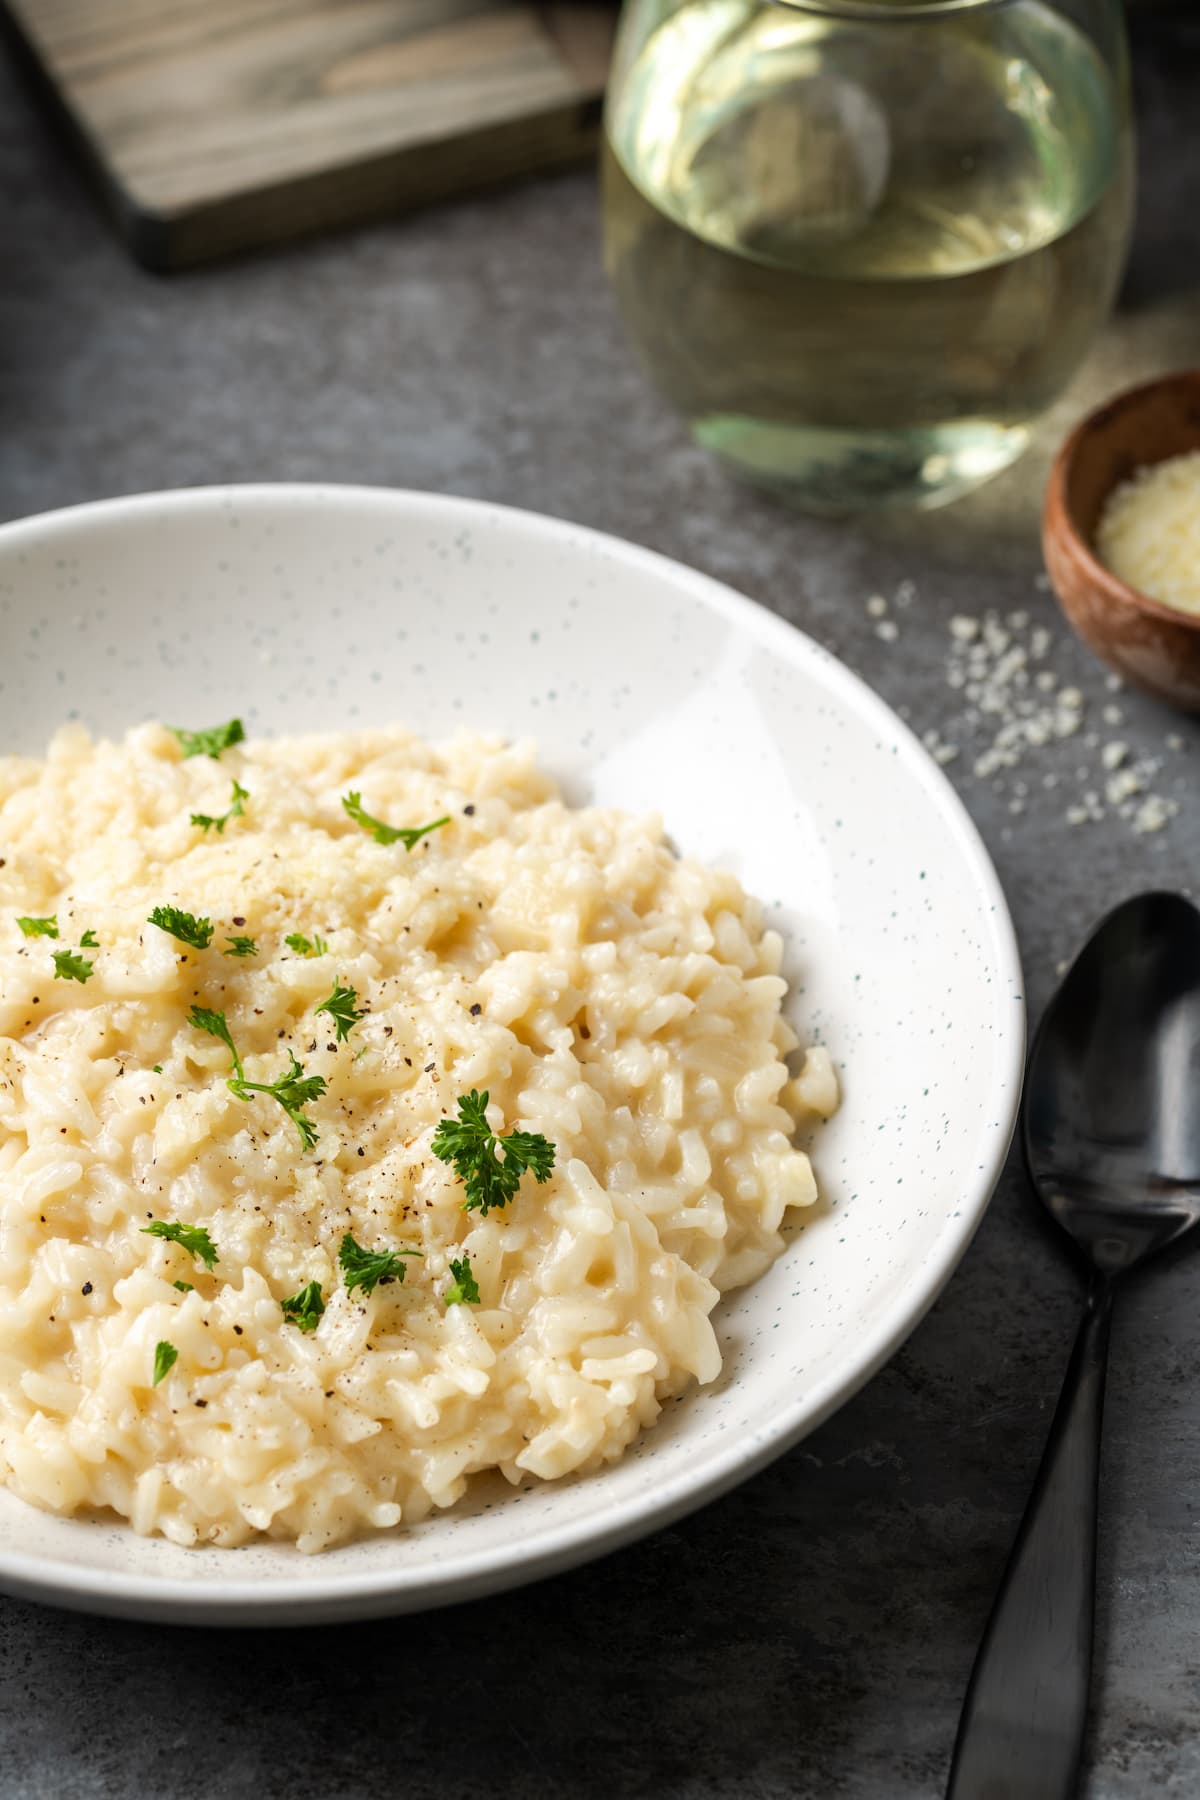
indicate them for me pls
(1156, 647)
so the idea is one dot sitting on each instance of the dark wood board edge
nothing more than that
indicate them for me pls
(362, 191)
(367, 190)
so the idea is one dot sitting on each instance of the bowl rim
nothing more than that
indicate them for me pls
(1057, 507)
(309, 1594)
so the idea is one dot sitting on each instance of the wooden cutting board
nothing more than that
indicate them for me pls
(219, 125)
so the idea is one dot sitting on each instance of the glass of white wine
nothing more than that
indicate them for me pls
(863, 244)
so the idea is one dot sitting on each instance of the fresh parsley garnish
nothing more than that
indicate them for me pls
(240, 946)
(185, 1287)
(216, 1025)
(365, 1269)
(39, 927)
(165, 1358)
(211, 742)
(464, 1289)
(207, 821)
(89, 941)
(304, 1308)
(183, 925)
(313, 946)
(192, 1238)
(293, 1091)
(342, 1007)
(70, 967)
(469, 1143)
(388, 834)
(158, 1068)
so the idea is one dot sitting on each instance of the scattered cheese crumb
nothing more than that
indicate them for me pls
(1122, 786)
(939, 749)
(1011, 705)
(1154, 813)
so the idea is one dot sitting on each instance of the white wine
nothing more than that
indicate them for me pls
(863, 262)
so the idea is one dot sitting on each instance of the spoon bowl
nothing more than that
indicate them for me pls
(1110, 1126)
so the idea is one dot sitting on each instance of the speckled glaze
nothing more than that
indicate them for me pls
(1157, 647)
(650, 687)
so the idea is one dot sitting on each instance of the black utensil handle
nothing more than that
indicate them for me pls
(1021, 1730)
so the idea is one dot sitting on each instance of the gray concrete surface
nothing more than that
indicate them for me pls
(810, 1634)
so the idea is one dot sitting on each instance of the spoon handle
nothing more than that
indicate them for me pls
(1021, 1730)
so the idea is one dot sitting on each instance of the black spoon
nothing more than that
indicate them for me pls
(1111, 1123)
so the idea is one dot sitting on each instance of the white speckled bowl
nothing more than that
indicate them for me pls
(648, 686)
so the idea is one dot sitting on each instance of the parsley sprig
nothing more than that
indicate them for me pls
(365, 1269)
(240, 946)
(474, 1150)
(294, 1090)
(192, 1238)
(39, 927)
(388, 834)
(69, 966)
(216, 1025)
(342, 1007)
(165, 1358)
(304, 1308)
(210, 822)
(210, 742)
(464, 1289)
(313, 946)
(184, 926)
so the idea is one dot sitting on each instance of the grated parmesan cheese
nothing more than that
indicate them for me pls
(1149, 533)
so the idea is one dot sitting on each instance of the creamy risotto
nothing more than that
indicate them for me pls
(368, 1118)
